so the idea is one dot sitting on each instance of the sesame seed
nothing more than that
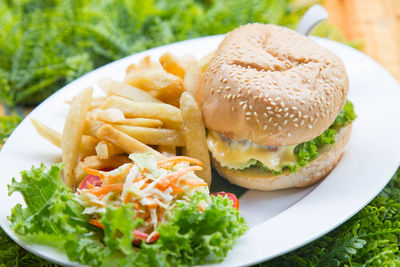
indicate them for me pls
(248, 113)
(273, 103)
(255, 114)
(219, 91)
(310, 126)
(275, 124)
(295, 119)
(245, 106)
(286, 114)
(250, 107)
(242, 102)
(294, 108)
(285, 122)
(286, 109)
(302, 122)
(248, 118)
(289, 134)
(279, 128)
(265, 127)
(270, 119)
(296, 125)
(278, 116)
(269, 108)
(265, 114)
(291, 116)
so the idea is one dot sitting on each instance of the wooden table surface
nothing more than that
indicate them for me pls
(376, 23)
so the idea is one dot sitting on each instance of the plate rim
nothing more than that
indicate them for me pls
(14, 236)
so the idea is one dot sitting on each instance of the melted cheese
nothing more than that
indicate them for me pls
(235, 154)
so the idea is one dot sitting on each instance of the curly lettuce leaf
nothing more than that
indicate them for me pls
(52, 215)
(118, 229)
(190, 236)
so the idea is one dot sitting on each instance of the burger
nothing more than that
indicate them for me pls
(274, 105)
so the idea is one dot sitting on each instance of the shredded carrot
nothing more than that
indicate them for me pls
(193, 182)
(96, 223)
(127, 197)
(176, 189)
(92, 171)
(136, 205)
(89, 185)
(96, 204)
(138, 178)
(166, 181)
(154, 204)
(97, 191)
(144, 186)
(174, 160)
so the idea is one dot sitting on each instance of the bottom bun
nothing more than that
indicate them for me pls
(254, 178)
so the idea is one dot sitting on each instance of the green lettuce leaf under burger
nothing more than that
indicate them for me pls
(274, 103)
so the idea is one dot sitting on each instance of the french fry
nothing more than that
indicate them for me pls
(72, 134)
(168, 151)
(127, 91)
(47, 133)
(194, 134)
(156, 82)
(124, 141)
(106, 150)
(94, 162)
(95, 103)
(152, 136)
(87, 145)
(111, 115)
(169, 115)
(171, 64)
(193, 73)
(92, 114)
(151, 123)
(92, 126)
(79, 172)
(171, 93)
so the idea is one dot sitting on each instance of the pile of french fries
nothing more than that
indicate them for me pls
(152, 111)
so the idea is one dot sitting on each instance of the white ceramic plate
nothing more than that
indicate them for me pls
(280, 221)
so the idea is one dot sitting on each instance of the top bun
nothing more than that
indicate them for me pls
(271, 86)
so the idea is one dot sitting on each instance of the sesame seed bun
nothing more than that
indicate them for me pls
(271, 86)
(255, 178)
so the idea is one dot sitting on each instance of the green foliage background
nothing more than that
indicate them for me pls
(48, 43)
